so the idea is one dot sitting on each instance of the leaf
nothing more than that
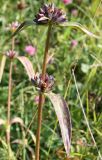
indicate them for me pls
(27, 65)
(20, 28)
(20, 142)
(50, 57)
(95, 5)
(17, 141)
(2, 66)
(24, 142)
(79, 26)
(17, 120)
(32, 136)
(64, 118)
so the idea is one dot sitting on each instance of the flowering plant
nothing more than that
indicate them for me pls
(49, 16)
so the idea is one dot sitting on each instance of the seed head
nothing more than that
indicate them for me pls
(50, 14)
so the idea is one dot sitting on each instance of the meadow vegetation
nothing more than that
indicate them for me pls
(75, 62)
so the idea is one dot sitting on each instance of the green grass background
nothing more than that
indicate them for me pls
(84, 57)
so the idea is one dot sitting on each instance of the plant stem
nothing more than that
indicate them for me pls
(13, 43)
(46, 53)
(9, 106)
(41, 96)
(9, 101)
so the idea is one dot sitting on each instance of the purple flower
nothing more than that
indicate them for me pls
(50, 14)
(13, 26)
(36, 99)
(30, 50)
(74, 12)
(74, 43)
(11, 54)
(67, 1)
(43, 85)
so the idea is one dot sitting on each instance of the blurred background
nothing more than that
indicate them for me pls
(69, 49)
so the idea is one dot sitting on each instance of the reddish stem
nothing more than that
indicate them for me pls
(41, 96)
(9, 104)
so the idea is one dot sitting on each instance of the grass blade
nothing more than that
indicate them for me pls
(79, 26)
(2, 66)
(86, 117)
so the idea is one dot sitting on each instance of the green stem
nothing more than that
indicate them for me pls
(41, 96)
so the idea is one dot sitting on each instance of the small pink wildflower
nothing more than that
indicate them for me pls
(30, 50)
(67, 1)
(13, 26)
(74, 43)
(74, 12)
(36, 99)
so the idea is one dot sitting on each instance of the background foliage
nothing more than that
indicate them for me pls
(71, 49)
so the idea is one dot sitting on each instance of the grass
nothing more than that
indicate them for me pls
(82, 58)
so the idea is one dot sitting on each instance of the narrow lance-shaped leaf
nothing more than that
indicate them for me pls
(79, 26)
(64, 118)
(27, 65)
(2, 66)
(17, 120)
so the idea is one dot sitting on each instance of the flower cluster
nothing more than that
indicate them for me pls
(11, 54)
(21, 5)
(30, 50)
(13, 26)
(74, 43)
(50, 14)
(67, 2)
(43, 85)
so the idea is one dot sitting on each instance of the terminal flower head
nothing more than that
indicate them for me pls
(50, 14)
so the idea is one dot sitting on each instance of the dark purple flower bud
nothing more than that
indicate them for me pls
(50, 14)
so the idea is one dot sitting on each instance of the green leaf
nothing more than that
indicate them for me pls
(27, 65)
(79, 26)
(2, 66)
(64, 118)
(95, 5)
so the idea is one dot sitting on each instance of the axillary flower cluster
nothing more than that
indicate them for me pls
(50, 14)
(43, 85)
